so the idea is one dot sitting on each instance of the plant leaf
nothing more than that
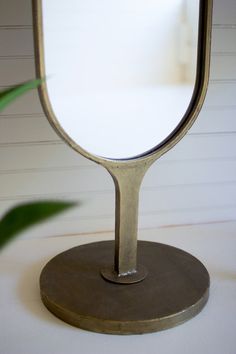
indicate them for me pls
(7, 96)
(23, 216)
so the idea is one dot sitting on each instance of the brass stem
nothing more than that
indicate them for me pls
(127, 184)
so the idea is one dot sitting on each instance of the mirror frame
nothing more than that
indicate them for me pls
(199, 92)
(127, 175)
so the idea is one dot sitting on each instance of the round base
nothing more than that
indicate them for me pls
(175, 289)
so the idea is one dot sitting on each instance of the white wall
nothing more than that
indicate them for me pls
(193, 183)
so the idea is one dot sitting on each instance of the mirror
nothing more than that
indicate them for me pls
(121, 74)
(125, 81)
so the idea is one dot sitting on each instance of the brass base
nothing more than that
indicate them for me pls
(175, 289)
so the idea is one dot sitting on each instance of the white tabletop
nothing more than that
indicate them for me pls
(26, 326)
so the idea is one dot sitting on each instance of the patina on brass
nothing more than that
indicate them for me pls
(127, 175)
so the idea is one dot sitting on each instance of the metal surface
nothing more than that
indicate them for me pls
(175, 290)
(127, 175)
(127, 182)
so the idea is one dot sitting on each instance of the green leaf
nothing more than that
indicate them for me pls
(23, 216)
(7, 96)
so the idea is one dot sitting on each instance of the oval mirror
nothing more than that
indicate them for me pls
(126, 79)
(121, 74)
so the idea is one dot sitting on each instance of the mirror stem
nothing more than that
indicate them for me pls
(127, 181)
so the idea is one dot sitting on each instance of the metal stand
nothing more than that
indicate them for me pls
(150, 287)
(162, 286)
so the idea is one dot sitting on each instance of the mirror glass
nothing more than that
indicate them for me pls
(120, 73)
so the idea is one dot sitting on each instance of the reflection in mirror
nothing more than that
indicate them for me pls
(121, 73)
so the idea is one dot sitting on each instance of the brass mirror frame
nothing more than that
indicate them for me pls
(127, 174)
